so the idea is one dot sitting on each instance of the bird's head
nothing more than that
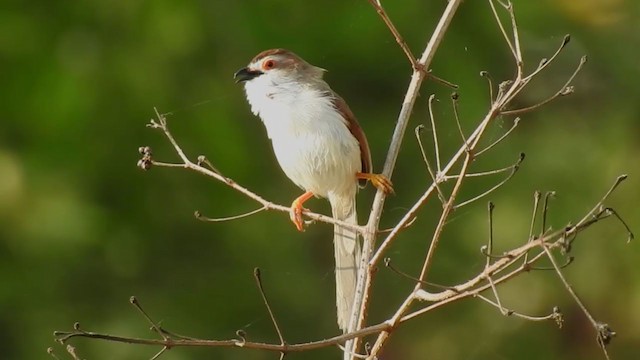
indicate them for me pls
(278, 66)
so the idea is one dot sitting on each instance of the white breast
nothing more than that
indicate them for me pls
(310, 138)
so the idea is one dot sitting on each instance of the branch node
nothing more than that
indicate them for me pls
(484, 249)
(605, 334)
(567, 263)
(203, 160)
(557, 316)
(367, 348)
(242, 337)
(146, 161)
(630, 235)
(53, 355)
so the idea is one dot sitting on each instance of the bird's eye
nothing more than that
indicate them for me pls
(268, 65)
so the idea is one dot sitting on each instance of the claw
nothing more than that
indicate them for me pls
(380, 181)
(296, 210)
(296, 215)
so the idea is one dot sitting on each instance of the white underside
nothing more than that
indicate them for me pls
(310, 138)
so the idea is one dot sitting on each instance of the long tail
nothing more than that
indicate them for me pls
(347, 251)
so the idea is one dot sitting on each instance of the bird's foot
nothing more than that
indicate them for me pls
(295, 213)
(380, 181)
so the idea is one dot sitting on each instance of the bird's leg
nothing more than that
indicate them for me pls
(297, 209)
(380, 181)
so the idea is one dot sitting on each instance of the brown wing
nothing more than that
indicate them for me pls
(356, 131)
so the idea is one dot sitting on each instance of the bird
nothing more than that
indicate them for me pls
(320, 147)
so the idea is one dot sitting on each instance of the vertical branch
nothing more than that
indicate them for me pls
(358, 317)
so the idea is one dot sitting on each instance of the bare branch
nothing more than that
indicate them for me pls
(507, 39)
(52, 354)
(418, 130)
(72, 351)
(200, 217)
(489, 172)
(258, 277)
(497, 269)
(387, 264)
(454, 105)
(64, 336)
(358, 316)
(436, 146)
(516, 121)
(486, 75)
(564, 90)
(147, 161)
(396, 34)
(545, 62)
(545, 206)
(604, 333)
(630, 235)
(514, 169)
(600, 203)
(554, 315)
(155, 327)
(490, 208)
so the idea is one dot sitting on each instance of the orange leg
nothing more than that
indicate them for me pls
(297, 209)
(378, 180)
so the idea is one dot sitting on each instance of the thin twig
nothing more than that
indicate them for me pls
(490, 208)
(72, 352)
(436, 146)
(155, 327)
(258, 277)
(489, 172)
(540, 268)
(502, 29)
(454, 105)
(534, 216)
(545, 62)
(596, 325)
(514, 169)
(411, 222)
(52, 354)
(486, 75)
(545, 207)
(200, 217)
(389, 265)
(630, 235)
(396, 34)
(507, 312)
(441, 195)
(516, 38)
(504, 311)
(159, 353)
(64, 336)
(564, 90)
(516, 121)
(600, 203)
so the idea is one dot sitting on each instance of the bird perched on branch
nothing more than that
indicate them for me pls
(319, 145)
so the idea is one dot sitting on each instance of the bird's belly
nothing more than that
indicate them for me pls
(321, 162)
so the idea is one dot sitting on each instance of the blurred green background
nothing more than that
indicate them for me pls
(82, 229)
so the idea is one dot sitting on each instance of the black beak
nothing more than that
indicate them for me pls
(246, 74)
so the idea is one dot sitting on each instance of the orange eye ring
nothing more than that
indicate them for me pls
(268, 65)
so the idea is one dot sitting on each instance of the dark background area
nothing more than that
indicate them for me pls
(82, 229)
